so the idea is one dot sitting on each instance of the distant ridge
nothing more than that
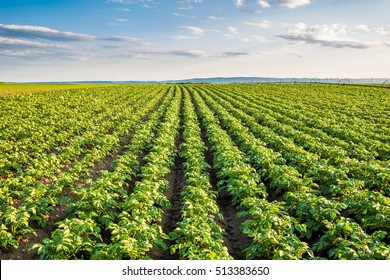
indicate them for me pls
(230, 80)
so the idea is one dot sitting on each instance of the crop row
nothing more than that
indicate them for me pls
(370, 207)
(273, 231)
(311, 208)
(348, 131)
(283, 137)
(34, 194)
(101, 205)
(305, 183)
(197, 235)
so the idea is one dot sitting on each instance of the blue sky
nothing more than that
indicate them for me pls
(46, 40)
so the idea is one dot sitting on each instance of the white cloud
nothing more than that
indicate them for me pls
(148, 53)
(257, 39)
(126, 39)
(216, 18)
(147, 3)
(18, 43)
(326, 35)
(185, 8)
(123, 9)
(363, 27)
(262, 24)
(194, 30)
(263, 3)
(120, 1)
(206, 54)
(190, 1)
(183, 37)
(31, 42)
(382, 30)
(292, 4)
(18, 53)
(186, 4)
(239, 3)
(34, 32)
(143, 3)
(195, 33)
(31, 50)
(189, 53)
(122, 20)
(232, 32)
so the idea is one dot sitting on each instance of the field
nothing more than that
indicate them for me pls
(13, 89)
(195, 171)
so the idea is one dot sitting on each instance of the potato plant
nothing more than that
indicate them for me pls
(88, 172)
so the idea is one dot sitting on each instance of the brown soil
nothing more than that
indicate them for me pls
(172, 215)
(235, 241)
(176, 181)
(24, 251)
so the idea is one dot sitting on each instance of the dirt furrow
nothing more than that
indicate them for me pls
(176, 181)
(235, 240)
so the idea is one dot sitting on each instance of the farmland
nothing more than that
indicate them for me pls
(13, 89)
(195, 171)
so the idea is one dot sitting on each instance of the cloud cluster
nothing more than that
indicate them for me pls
(381, 30)
(122, 9)
(292, 4)
(32, 42)
(143, 3)
(148, 53)
(38, 50)
(335, 35)
(18, 43)
(194, 32)
(263, 3)
(127, 39)
(262, 24)
(39, 32)
(216, 18)
(205, 54)
(192, 53)
(232, 32)
(120, 1)
(239, 3)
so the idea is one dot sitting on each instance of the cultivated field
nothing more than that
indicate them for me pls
(13, 89)
(195, 171)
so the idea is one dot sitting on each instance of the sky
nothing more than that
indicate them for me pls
(122, 40)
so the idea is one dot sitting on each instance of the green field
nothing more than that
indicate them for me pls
(195, 171)
(16, 89)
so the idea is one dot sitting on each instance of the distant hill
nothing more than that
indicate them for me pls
(230, 80)
(222, 80)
